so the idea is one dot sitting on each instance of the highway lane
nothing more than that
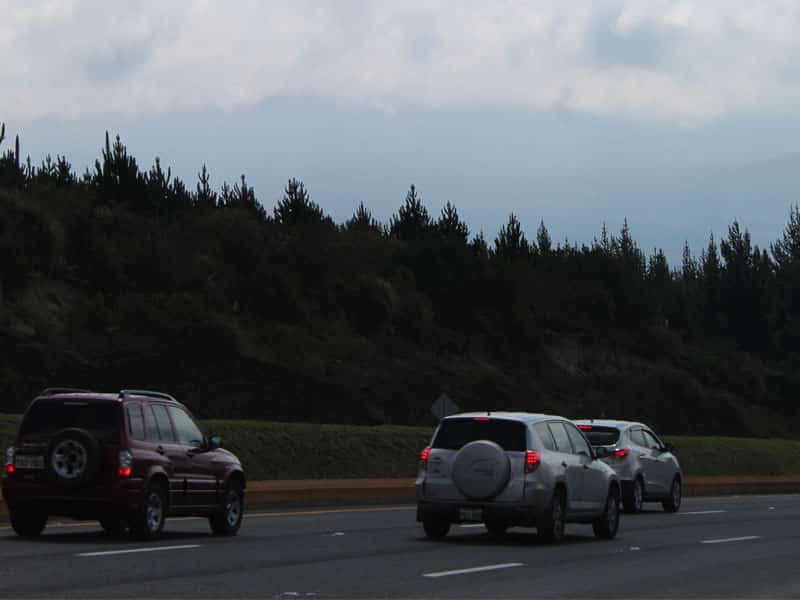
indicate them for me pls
(716, 547)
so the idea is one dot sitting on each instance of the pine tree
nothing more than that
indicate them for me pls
(543, 241)
(363, 221)
(297, 208)
(689, 268)
(511, 242)
(450, 226)
(479, 247)
(412, 221)
(205, 197)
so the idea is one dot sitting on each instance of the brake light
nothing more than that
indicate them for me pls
(125, 464)
(531, 461)
(585, 427)
(480, 418)
(9, 468)
(423, 458)
(620, 453)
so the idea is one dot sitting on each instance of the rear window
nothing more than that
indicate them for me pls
(455, 433)
(101, 419)
(601, 436)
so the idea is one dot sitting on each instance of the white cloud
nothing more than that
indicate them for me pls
(675, 61)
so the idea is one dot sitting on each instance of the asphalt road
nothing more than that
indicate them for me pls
(715, 547)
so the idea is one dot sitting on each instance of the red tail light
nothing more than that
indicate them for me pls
(480, 418)
(531, 461)
(9, 469)
(620, 453)
(423, 458)
(585, 427)
(124, 471)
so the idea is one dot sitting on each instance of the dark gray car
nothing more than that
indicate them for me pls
(515, 469)
(646, 466)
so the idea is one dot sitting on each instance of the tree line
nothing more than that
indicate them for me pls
(120, 228)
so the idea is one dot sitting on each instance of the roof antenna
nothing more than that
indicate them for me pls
(488, 413)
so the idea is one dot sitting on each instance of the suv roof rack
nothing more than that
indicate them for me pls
(148, 393)
(63, 390)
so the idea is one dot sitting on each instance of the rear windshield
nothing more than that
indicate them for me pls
(454, 433)
(101, 419)
(601, 436)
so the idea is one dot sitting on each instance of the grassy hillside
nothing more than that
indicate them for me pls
(307, 451)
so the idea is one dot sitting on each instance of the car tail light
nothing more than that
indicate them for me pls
(480, 418)
(531, 461)
(125, 464)
(620, 453)
(423, 458)
(585, 427)
(9, 468)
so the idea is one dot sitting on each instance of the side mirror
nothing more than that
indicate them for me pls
(213, 442)
(668, 447)
(602, 452)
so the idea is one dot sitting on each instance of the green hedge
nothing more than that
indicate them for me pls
(307, 451)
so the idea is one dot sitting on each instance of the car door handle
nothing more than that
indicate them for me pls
(564, 464)
(160, 449)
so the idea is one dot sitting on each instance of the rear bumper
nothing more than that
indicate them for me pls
(508, 514)
(84, 503)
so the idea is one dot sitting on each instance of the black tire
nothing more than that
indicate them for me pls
(228, 519)
(633, 500)
(148, 522)
(27, 523)
(496, 529)
(673, 502)
(607, 524)
(435, 528)
(552, 531)
(73, 457)
(114, 525)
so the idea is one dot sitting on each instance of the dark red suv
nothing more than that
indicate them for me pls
(128, 459)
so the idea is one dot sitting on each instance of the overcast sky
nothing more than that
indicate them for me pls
(680, 115)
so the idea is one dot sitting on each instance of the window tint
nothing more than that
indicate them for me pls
(561, 437)
(638, 438)
(135, 421)
(602, 436)
(150, 428)
(101, 419)
(455, 433)
(163, 423)
(543, 431)
(185, 427)
(579, 443)
(651, 440)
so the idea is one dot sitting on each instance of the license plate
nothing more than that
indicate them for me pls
(470, 514)
(29, 461)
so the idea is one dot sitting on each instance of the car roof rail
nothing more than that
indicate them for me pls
(148, 393)
(63, 390)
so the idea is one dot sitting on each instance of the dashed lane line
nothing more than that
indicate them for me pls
(480, 569)
(138, 550)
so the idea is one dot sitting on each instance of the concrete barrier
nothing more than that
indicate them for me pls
(304, 493)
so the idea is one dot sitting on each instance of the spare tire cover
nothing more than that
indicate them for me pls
(481, 470)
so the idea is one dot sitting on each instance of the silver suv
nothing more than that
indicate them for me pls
(646, 466)
(515, 469)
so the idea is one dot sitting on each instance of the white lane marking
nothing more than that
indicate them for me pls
(703, 512)
(137, 550)
(771, 508)
(471, 525)
(474, 570)
(736, 539)
(337, 533)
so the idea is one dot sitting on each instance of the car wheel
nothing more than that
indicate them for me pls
(73, 457)
(673, 502)
(553, 531)
(607, 524)
(228, 519)
(27, 523)
(496, 529)
(148, 521)
(113, 525)
(632, 502)
(435, 528)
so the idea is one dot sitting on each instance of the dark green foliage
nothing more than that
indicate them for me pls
(124, 275)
